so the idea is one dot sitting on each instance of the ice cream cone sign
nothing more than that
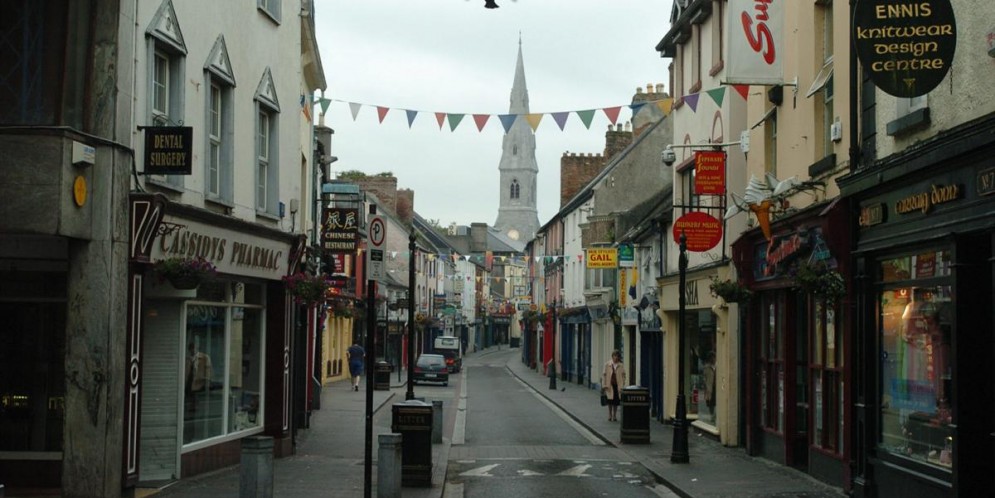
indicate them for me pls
(762, 212)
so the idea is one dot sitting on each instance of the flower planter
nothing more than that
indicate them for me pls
(184, 282)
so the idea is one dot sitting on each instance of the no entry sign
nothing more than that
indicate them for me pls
(702, 230)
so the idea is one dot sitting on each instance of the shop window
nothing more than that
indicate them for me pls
(32, 365)
(827, 377)
(223, 363)
(701, 365)
(772, 361)
(917, 413)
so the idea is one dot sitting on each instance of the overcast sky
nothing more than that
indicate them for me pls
(455, 56)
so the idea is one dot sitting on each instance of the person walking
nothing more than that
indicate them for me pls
(612, 381)
(356, 356)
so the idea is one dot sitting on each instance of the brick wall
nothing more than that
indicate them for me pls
(577, 170)
(384, 187)
(405, 205)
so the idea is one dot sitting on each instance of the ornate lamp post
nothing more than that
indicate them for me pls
(679, 451)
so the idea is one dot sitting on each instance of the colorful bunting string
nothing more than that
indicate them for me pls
(586, 116)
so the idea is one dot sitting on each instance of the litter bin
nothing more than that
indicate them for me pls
(635, 415)
(381, 376)
(413, 420)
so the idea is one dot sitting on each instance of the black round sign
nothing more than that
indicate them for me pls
(906, 46)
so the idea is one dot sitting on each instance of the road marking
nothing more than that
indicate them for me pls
(595, 440)
(576, 471)
(529, 473)
(481, 471)
(459, 431)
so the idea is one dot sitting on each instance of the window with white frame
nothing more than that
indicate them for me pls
(271, 8)
(219, 128)
(264, 138)
(267, 147)
(165, 73)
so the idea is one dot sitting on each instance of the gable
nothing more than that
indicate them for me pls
(165, 27)
(218, 62)
(266, 90)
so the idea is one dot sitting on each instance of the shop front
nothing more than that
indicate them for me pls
(703, 349)
(925, 246)
(210, 360)
(796, 341)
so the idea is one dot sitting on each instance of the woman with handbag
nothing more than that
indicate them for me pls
(612, 381)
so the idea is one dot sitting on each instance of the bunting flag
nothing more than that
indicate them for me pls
(743, 90)
(507, 120)
(533, 120)
(481, 120)
(561, 119)
(612, 113)
(717, 94)
(692, 101)
(586, 116)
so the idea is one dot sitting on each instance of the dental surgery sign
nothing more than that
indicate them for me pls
(907, 46)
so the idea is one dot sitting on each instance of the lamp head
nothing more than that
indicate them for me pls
(668, 156)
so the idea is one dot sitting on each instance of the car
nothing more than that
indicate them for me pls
(431, 368)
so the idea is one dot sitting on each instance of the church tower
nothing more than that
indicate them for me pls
(517, 214)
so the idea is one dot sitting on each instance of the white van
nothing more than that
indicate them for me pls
(449, 347)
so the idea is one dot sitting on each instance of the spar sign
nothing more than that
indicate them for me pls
(756, 33)
(906, 46)
(702, 230)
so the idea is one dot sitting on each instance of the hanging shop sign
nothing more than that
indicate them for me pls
(602, 258)
(710, 172)
(339, 229)
(626, 256)
(168, 150)
(702, 230)
(907, 46)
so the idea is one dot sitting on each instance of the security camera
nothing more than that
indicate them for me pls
(326, 160)
(668, 157)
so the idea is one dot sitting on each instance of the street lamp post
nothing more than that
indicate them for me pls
(679, 451)
(552, 352)
(410, 395)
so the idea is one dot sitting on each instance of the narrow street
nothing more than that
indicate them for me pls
(510, 440)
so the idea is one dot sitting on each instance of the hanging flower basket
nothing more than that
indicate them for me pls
(731, 291)
(306, 288)
(182, 273)
(821, 281)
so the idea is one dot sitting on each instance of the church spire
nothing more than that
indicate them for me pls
(517, 214)
(519, 92)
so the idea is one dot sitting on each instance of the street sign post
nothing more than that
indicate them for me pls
(377, 231)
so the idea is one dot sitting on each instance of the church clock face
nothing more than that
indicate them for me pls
(513, 234)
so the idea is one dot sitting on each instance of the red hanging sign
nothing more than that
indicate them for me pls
(702, 230)
(710, 172)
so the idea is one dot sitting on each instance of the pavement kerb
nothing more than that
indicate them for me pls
(646, 464)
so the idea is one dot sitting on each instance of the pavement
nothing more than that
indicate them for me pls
(330, 454)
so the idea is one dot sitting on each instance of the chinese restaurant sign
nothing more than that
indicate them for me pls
(339, 228)
(168, 150)
(907, 46)
(702, 230)
(710, 172)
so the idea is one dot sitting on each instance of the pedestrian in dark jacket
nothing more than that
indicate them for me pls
(356, 356)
